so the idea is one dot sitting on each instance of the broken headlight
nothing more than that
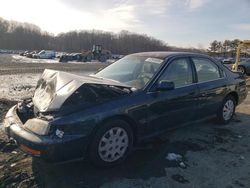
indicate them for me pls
(9, 119)
(7, 123)
(38, 126)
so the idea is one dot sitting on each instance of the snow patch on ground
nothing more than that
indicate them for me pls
(24, 59)
(174, 157)
(16, 87)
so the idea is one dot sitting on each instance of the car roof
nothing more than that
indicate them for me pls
(165, 54)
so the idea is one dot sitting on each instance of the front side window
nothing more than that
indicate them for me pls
(179, 72)
(206, 69)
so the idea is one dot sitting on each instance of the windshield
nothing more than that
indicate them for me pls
(132, 70)
(42, 52)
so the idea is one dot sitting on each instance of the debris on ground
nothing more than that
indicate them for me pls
(174, 157)
(182, 165)
(13, 164)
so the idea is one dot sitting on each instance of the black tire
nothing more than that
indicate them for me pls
(88, 58)
(242, 70)
(102, 58)
(221, 119)
(94, 156)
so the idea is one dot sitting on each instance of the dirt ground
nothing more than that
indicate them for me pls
(211, 155)
(15, 64)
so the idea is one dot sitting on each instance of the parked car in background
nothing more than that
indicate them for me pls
(30, 54)
(116, 56)
(2, 51)
(24, 53)
(219, 59)
(103, 116)
(228, 61)
(45, 54)
(70, 57)
(244, 66)
(97, 53)
(59, 54)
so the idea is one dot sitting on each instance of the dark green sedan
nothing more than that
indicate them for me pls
(101, 117)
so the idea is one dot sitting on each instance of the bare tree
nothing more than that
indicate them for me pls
(25, 36)
(214, 46)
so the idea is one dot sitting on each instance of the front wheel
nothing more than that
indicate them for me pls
(227, 110)
(102, 58)
(111, 143)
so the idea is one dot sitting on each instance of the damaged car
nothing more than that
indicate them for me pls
(102, 117)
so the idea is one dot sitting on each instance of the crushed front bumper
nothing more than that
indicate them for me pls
(50, 147)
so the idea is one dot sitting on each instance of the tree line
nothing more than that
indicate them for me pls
(226, 48)
(25, 36)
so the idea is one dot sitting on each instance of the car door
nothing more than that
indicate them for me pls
(169, 109)
(42, 54)
(212, 85)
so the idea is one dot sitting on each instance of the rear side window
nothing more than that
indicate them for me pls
(206, 70)
(180, 72)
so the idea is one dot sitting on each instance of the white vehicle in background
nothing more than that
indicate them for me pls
(45, 54)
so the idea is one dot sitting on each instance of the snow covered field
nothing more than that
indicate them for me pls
(16, 87)
(19, 58)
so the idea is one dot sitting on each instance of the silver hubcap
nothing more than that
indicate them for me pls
(228, 110)
(113, 144)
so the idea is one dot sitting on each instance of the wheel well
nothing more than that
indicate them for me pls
(243, 68)
(235, 95)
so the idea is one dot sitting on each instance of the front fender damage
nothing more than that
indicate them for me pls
(55, 87)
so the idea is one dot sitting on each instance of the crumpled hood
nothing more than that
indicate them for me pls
(54, 87)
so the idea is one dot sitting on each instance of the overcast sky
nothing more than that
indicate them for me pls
(183, 23)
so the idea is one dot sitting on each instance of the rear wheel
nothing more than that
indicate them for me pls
(242, 69)
(111, 144)
(227, 110)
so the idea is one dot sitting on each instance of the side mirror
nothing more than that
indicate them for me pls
(165, 85)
